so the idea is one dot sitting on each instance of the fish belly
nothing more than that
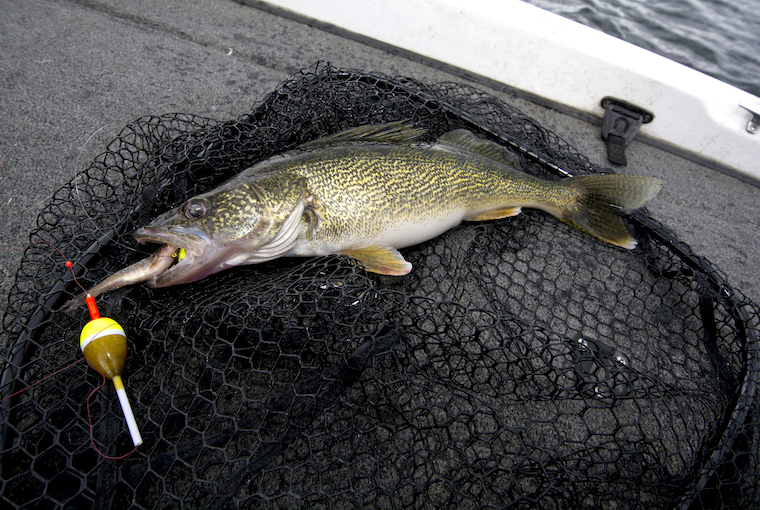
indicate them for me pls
(398, 233)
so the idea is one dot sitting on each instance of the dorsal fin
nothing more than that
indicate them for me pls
(461, 140)
(402, 131)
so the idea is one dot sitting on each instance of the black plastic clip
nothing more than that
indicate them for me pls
(621, 123)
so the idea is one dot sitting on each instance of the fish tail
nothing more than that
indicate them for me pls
(599, 202)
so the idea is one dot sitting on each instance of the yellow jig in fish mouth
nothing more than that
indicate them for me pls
(365, 193)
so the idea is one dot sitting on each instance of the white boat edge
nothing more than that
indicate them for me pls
(561, 62)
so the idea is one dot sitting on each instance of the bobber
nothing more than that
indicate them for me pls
(104, 345)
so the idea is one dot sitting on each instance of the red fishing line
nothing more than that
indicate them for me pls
(69, 264)
(92, 438)
(43, 379)
(94, 314)
(91, 304)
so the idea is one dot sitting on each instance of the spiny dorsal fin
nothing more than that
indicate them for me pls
(402, 131)
(461, 140)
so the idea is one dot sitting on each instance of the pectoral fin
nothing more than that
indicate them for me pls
(381, 259)
(495, 214)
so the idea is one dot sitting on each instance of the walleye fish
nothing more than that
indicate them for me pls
(365, 193)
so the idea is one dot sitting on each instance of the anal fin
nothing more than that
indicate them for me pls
(495, 214)
(381, 259)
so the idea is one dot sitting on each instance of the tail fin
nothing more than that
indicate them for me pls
(601, 200)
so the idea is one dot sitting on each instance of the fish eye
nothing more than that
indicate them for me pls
(196, 208)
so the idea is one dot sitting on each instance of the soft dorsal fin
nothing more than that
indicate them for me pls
(395, 132)
(461, 140)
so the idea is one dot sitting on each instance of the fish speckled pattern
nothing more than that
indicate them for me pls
(370, 192)
(366, 192)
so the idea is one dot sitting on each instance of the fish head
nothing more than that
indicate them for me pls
(245, 221)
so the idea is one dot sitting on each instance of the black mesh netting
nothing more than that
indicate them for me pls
(521, 364)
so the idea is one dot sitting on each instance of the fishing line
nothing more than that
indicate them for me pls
(98, 335)
(92, 436)
(115, 376)
(43, 379)
(21, 128)
(69, 264)
(78, 176)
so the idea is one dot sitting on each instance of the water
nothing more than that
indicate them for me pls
(720, 38)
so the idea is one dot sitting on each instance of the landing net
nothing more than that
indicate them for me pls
(521, 364)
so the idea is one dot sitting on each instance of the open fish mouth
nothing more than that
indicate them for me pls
(196, 256)
(191, 258)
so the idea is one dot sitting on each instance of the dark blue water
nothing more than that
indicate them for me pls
(721, 38)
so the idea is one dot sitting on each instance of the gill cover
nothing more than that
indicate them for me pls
(249, 219)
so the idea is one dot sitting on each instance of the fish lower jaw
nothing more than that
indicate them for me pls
(165, 279)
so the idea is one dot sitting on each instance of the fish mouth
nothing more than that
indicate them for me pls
(198, 256)
(194, 256)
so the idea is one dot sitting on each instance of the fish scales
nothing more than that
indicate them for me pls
(365, 193)
(368, 191)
